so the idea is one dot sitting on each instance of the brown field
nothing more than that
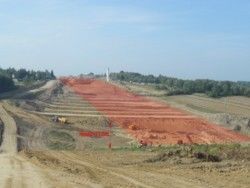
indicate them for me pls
(233, 105)
(236, 105)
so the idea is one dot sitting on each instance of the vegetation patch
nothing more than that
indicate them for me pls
(201, 109)
(175, 86)
(207, 157)
(10, 78)
(6, 83)
(59, 140)
(201, 153)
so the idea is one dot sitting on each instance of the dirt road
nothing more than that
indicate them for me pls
(9, 144)
(48, 85)
(15, 171)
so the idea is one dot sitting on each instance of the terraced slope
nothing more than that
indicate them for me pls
(148, 120)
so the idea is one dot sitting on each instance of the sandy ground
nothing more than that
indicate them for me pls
(48, 85)
(15, 171)
(9, 144)
(91, 168)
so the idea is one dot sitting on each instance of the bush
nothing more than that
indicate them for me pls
(6, 83)
(237, 128)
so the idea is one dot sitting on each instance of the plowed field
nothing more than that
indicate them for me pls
(148, 120)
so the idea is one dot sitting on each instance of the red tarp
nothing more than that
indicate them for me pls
(94, 133)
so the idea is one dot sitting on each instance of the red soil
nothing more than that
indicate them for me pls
(149, 120)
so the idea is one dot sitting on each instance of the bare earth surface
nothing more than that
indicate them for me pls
(148, 120)
(15, 171)
(48, 85)
(9, 144)
(50, 154)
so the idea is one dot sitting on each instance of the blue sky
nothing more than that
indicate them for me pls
(180, 38)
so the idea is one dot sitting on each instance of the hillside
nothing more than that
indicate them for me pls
(175, 86)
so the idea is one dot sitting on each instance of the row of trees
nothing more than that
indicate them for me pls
(23, 74)
(8, 75)
(176, 86)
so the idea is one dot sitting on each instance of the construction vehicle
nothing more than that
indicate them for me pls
(61, 120)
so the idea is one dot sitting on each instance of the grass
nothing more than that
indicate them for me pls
(205, 104)
(197, 152)
(60, 140)
(197, 101)
(133, 147)
(145, 89)
(61, 135)
(201, 109)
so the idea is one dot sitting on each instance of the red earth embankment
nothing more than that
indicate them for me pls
(148, 120)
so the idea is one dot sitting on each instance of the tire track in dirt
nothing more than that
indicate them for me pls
(155, 177)
(14, 170)
(141, 178)
(34, 140)
(9, 144)
(76, 159)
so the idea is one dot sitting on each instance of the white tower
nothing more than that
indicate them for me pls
(107, 75)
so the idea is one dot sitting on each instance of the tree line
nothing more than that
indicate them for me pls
(175, 86)
(23, 74)
(7, 77)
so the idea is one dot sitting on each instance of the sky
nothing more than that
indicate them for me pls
(180, 38)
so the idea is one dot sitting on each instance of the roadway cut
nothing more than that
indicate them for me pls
(148, 120)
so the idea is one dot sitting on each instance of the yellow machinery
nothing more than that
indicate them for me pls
(61, 120)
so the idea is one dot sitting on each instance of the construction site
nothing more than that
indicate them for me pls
(124, 94)
(87, 132)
